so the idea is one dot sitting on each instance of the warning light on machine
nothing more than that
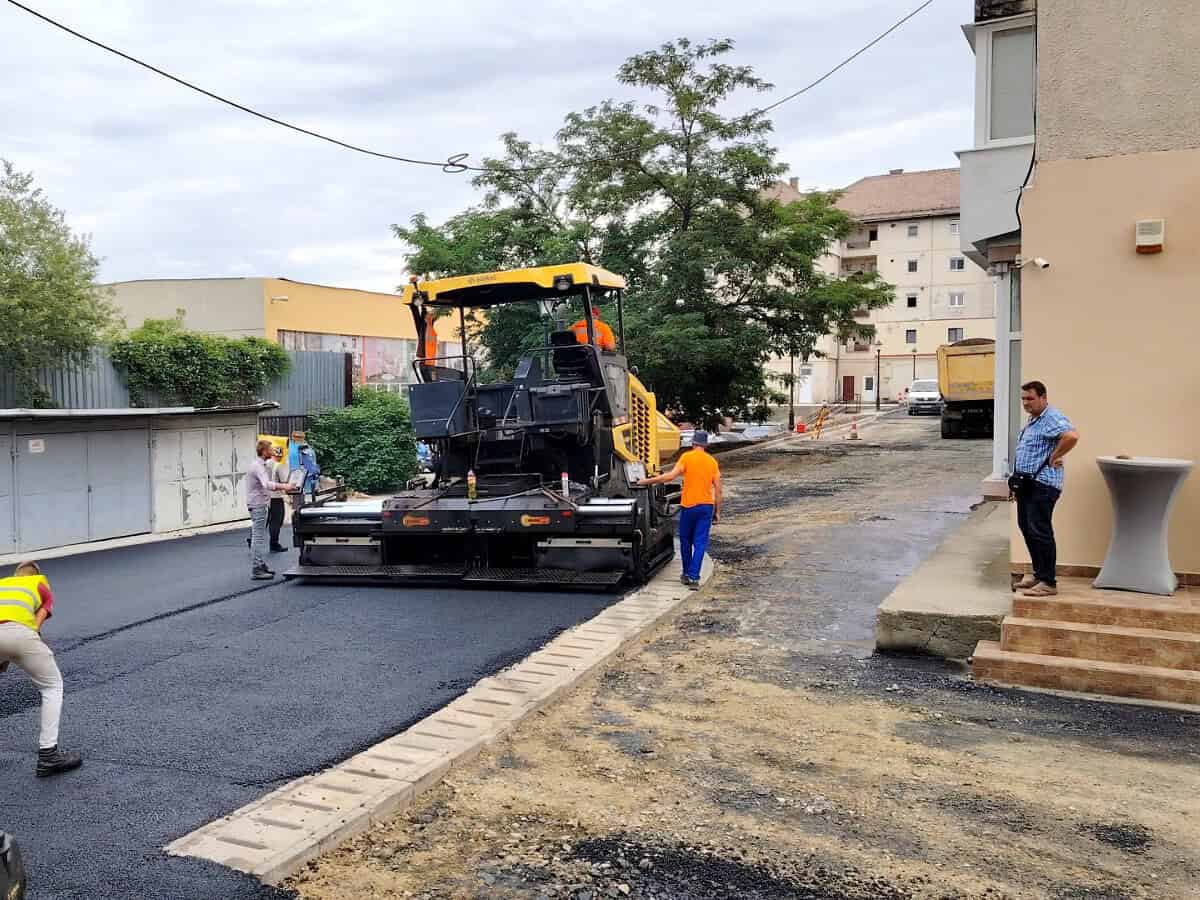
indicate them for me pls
(414, 521)
(535, 520)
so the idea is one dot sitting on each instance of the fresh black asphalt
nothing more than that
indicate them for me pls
(192, 690)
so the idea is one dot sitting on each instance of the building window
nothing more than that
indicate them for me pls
(954, 334)
(1011, 84)
(869, 384)
(873, 234)
(910, 336)
(914, 230)
(912, 301)
(958, 264)
(957, 298)
(954, 228)
(912, 265)
(377, 361)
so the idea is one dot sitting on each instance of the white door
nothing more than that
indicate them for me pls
(193, 458)
(180, 464)
(869, 389)
(231, 450)
(804, 385)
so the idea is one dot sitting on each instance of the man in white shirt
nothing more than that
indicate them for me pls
(260, 485)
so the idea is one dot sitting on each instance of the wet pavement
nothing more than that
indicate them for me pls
(192, 690)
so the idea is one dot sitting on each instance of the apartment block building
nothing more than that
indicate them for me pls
(908, 232)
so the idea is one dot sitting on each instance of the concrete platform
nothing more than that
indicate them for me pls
(956, 598)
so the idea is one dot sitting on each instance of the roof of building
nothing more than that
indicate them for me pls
(897, 195)
(332, 287)
(133, 411)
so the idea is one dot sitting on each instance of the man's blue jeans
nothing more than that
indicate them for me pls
(694, 524)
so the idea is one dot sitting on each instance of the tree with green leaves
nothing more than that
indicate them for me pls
(673, 195)
(50, 303)
(370, 443)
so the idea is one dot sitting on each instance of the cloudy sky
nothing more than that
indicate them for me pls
(171, 184)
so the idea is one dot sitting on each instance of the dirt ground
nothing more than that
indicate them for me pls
(757, 748)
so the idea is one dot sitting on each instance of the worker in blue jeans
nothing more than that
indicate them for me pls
(700, 502)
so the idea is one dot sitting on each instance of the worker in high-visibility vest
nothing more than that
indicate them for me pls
(26, 602)
(429, 352)
(605, 339)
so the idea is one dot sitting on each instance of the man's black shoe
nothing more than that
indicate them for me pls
(683, 579)
(262, 574)
(278, 548)
(53, 761)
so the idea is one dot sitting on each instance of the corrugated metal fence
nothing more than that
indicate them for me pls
(316, 380)
(86, 382)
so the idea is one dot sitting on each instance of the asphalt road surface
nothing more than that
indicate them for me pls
(192, 690)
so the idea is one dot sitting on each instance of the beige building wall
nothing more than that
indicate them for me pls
(1107, 329)
(1117, 77)
(1110, 331)
(229, 306)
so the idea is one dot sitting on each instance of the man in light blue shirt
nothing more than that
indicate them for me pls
(1043, 442)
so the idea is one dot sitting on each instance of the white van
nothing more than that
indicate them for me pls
(924, 397)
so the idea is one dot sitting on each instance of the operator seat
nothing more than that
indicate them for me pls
(573, 361)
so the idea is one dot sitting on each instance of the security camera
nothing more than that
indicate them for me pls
(1041, 262)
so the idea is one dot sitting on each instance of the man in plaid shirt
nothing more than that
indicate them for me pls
(1047, 437)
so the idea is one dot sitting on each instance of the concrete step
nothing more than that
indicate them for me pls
(1161, 614)
(1089, 676)
(1112, 643)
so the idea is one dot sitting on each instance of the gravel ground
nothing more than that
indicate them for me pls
(757, 748)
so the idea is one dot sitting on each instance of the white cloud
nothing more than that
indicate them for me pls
(172, 184)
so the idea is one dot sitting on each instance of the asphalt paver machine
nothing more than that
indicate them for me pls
(534, 479)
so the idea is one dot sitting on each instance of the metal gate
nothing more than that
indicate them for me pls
(199, 475)
(119, 483)
(79, 486)
(8, 509)
(52, 490)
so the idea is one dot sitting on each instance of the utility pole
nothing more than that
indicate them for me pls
(914, 363)
(792, 393)
(878, 351)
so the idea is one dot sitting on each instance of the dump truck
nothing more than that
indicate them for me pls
(966, 379)
(533, 480)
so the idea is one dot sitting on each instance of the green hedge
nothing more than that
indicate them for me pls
(370, 443)
(165, 364)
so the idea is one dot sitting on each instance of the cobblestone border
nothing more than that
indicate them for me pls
(276, 835)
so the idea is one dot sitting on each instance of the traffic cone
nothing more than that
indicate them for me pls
(854, 429)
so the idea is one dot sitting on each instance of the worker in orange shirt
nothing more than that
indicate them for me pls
(605, 339)
(429, 351)
(700, 502)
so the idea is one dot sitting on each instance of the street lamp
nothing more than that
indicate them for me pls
(878, 386)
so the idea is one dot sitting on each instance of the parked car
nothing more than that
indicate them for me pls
(760, 432)
(12, 869)
(924, 398)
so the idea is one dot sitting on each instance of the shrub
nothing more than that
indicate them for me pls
(165, 364)
(369, 443)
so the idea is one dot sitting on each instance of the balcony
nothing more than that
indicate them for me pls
(859, 247)
(990, 182)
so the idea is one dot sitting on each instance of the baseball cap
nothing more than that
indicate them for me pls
(699, 438)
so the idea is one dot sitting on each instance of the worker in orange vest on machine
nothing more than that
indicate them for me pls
(605, 339)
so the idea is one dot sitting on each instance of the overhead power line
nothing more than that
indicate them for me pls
(455, 163)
